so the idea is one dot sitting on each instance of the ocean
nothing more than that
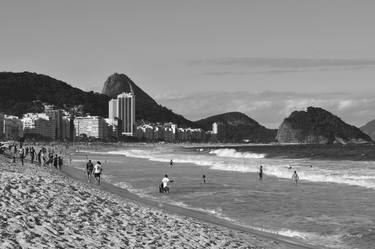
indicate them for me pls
(332, 206)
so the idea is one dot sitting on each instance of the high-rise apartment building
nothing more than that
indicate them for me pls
(126, 113)
(56, 116)
(112, 109)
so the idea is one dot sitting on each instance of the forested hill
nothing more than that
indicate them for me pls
(23, 92)
(318, 126)
(239, 127)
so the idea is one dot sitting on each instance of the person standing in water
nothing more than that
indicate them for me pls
(261, 173)
(295, 178)
(98, 171)
(171, 163)
(165, 182)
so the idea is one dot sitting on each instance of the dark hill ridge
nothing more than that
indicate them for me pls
(318, 126)
(146, 107)
(19, 92)
(238, 127)
(369, 129)
(24, 92)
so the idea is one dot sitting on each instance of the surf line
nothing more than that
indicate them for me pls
(181, 211)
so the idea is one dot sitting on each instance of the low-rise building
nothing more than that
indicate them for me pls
(39, 124)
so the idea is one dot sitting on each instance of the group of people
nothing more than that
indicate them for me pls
(94, 170)
(295, 177)
(44, 156)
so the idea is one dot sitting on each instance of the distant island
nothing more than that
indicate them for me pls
(318, 126)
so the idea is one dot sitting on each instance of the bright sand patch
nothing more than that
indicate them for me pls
(41, 209)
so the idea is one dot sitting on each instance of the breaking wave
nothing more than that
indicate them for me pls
(235, 154)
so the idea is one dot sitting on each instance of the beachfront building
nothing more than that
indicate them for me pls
(112, 109)
(112, 126)
(126, 113)
(12, 127)
(66, 129)
(147, 132)
(39, 124)
(90, 126)
(218, 132)
(190, 135)
(1, 125)
(55, 116)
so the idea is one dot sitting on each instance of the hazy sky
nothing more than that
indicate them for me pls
(264, 58)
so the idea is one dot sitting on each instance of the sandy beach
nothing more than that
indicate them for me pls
(45, 209)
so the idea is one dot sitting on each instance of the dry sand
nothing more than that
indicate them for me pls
(43, 209)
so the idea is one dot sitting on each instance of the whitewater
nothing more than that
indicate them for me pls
(356, 173)
(320, 210)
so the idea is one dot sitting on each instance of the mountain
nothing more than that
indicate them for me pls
(239, 127)
(146, 107)
(318, 126)
(24, 92)
(369, 129)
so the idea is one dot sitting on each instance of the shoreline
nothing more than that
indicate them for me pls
(60, 209)
(195, 214)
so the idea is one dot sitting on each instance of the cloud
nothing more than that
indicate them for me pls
(270, 108)
(261, 65)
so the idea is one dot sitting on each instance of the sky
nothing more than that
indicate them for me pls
(200, 58)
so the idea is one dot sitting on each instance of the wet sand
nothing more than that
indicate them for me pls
(45, 209)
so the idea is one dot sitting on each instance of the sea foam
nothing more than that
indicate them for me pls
(235, 154)
(227, 159)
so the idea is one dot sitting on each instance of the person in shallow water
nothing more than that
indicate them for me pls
(204, 178)
(295, 178)
(261, 172)
(164, 185)
(171, 163)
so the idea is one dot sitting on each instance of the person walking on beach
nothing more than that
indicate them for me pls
(40, 157)
(89, 169)
(55, 161)
(204, 179)
(32, 154)
(261, 173)
(22, 155)
(60, 163)
(171, 163)
(98, 171)
(295, 178)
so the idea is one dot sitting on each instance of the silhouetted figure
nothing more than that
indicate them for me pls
(204, 179)
(295, 178)
(60, 163)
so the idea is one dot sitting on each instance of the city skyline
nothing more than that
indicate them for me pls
(266, 57)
